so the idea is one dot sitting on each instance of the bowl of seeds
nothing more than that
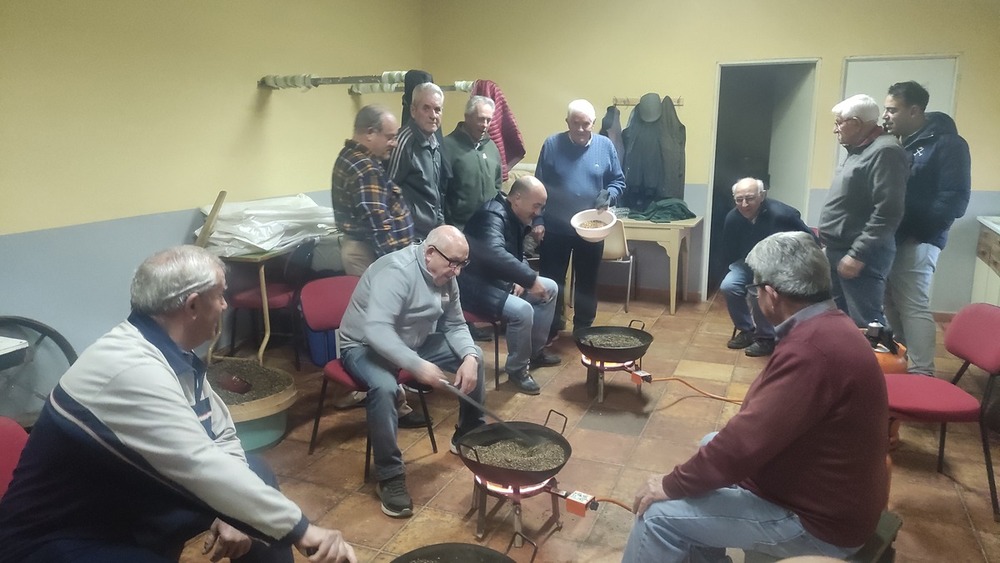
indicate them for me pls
(593, 225)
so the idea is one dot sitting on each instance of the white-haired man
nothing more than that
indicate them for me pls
(581, 171)
(754, 218)
(134, 453)
(417, 164)
(800, 469)
(474, 163)
(864, 207)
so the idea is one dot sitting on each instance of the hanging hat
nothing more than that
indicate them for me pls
(649, 107)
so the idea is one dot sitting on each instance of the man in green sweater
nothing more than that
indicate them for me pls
(474, 161)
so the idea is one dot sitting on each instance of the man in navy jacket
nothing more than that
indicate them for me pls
(752, 220)
(937, 193)
(498, 282)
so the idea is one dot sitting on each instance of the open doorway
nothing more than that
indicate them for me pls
(764, 129)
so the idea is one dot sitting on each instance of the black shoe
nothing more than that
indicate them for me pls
(413, 419)
(544, 359)
(760, 348)
(396, 502)
(742, 340)
(459, 432)
(481, 334)
(525, 383)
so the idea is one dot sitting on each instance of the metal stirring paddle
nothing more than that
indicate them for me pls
(521, 436)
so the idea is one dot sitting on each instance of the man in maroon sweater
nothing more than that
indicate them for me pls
(800, 470)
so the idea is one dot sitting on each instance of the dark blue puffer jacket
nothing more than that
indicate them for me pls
(937, 192)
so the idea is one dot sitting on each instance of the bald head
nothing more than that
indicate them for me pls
(749, 194)
(527, 199)
(446, 252)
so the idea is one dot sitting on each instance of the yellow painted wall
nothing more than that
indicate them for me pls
(546, 53)
(118, 108)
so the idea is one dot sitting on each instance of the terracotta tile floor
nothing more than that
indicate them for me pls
(616, 445)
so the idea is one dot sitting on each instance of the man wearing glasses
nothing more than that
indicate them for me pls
(405, 313)
(864, 207)
(800, 469)
(752, 220)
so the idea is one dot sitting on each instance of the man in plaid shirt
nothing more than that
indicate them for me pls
(368, 208)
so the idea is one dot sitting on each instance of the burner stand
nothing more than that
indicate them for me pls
(483, 488)
(595, 374)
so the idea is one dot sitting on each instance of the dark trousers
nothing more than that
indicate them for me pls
(553, 261)
(159, 537)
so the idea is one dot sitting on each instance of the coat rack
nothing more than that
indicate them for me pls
(389, 81)
(616, 101)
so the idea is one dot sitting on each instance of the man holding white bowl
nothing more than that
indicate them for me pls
(581, 171)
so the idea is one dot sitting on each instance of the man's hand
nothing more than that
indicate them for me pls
(538, 291)
(850, 268)
(649, 493)
(517, 291)
(227, 541)
(468, 374)
(325, 546)
(601, 203)
(538, 233)
(429, 374)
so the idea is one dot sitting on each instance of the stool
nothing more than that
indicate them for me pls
(878, 549)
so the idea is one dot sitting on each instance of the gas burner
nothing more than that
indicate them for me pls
(524, 491)
(596, 369)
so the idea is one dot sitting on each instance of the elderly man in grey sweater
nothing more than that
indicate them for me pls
(405, 313)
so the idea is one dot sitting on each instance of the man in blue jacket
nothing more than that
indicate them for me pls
(499, 283)
(937, 193)
(752, 220)
(581, 171)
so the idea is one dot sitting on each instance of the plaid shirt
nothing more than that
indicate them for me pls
(366, 205)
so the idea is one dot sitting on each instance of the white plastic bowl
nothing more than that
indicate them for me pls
(593, 235)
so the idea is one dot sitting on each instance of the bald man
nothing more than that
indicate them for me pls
(752, 220)
(405, 313)
(499, 283)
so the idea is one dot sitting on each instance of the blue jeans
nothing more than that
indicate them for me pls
(553, 261)
(528, 322)
(862, 297)
(908, 302)
(379, 375)
(699, 529)
(743, 309)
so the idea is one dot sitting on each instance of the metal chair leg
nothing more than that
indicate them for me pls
(989, 469)
(944, 430)
(319, 412)
(427, 417)
(496, 354)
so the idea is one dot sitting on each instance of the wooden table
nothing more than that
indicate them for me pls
(261, 259)
(673, 237)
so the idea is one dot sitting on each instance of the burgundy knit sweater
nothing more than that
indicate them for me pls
(811, 435)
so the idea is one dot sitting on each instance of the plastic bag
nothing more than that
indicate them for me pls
(264, 225)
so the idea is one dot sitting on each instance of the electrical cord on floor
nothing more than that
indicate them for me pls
(705, 393)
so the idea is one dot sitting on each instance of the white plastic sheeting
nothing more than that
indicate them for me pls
(263, 225)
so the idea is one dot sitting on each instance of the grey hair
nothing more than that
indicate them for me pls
(760, 184)
(474, 101)
(370, 117)
(862, 106)
(166, 279)
(793, 264)
(581, 106)
(421, 90)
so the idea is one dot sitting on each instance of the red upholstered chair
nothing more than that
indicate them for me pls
(972, 337)
(473, 318)
(324, 302)
(282, 295)
(12, 441)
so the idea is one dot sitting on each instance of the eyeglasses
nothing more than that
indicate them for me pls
(452, 263)
(839, 124)
(753, 289)
(748, 199)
